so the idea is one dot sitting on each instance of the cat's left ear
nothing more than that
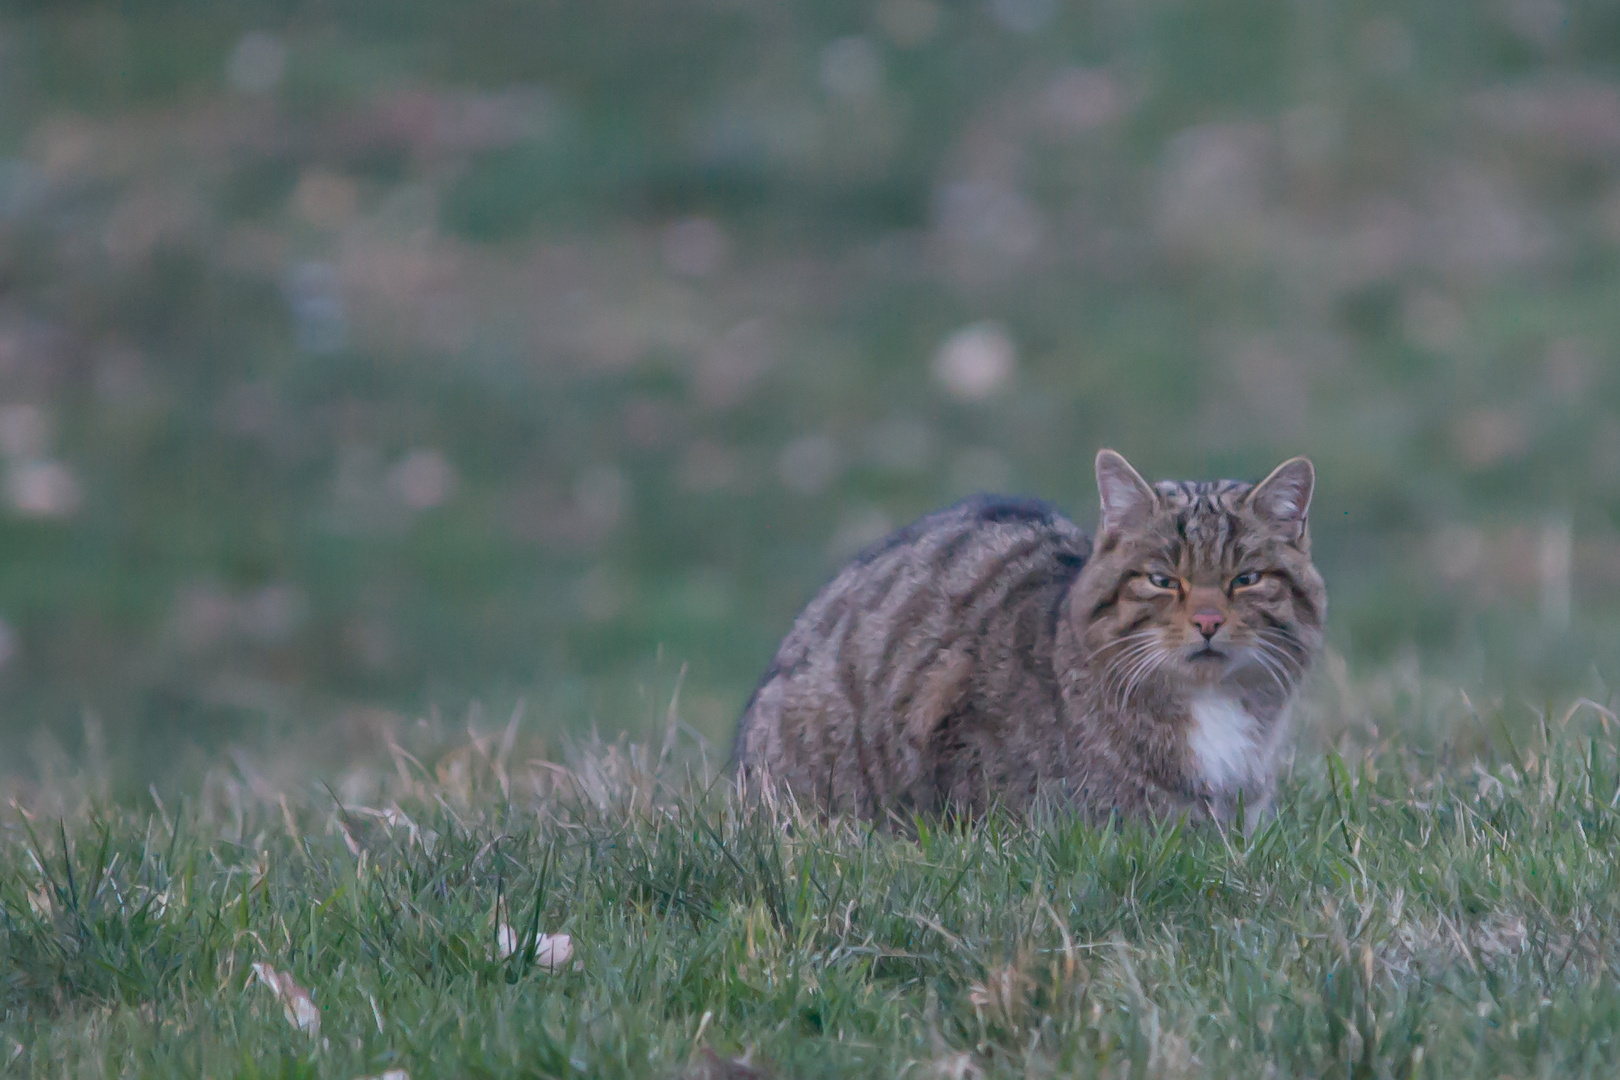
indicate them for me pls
(1283, 499)
(1126, 498)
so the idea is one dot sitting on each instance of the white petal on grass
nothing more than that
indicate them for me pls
(391, 1074)
(975, 362)
(552, 951)
(295, 1000)
(422, 480)
(43, 489)
(506, 941)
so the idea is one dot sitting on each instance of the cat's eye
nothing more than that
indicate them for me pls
(1161, 581)
(1245, 579)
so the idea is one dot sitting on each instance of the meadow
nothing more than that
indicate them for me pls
(469, 910)
(372, 373)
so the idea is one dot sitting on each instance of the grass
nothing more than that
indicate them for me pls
(1411, 912)
(239, 321)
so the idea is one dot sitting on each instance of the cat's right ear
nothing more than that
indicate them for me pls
(1127, 500)
(1283, 499)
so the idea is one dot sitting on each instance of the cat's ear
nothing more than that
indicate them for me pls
(1283, 499)
(1127, 499)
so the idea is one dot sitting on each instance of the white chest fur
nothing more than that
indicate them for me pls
(1225, 742)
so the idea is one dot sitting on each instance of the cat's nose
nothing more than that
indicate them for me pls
(1208, 621)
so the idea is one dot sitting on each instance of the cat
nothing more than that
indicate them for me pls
(992, 654)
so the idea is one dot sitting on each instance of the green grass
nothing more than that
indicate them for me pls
(1445, 912)
(1385, 236)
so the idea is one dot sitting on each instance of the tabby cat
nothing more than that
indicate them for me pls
(990, 653)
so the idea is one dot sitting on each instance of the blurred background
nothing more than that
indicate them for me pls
(360, 360)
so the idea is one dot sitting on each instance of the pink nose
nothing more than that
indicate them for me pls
(1208, 621)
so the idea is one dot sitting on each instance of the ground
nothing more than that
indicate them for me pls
(1441, 912)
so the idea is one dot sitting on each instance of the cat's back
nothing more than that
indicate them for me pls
(885, 648)
(928, 580)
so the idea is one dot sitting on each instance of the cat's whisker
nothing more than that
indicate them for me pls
(1120, 677)
(1284, 652)
(1279, 637)
(1272, 668)
(1274, 655)
(1129, 656)
(1294, 663)
(1137, 649)
(1286, 669)
(1139, 635)
(1275, 639)
(1114, 671)
(1139, 671)
(1143, 671)
(1125, 662)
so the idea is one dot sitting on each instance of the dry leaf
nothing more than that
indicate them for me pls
(552, 951)
(506, 941)
(295, 1000)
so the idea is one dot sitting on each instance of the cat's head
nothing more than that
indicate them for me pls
(1202, 582)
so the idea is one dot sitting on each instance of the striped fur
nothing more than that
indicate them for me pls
(990, 654)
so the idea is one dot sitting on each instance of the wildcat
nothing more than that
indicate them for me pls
(990, 653)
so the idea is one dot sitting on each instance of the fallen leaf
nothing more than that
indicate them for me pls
(552, 951)
(295, 1000)
(506, 941)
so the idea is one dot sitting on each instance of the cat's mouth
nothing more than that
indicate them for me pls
(1207, 653)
